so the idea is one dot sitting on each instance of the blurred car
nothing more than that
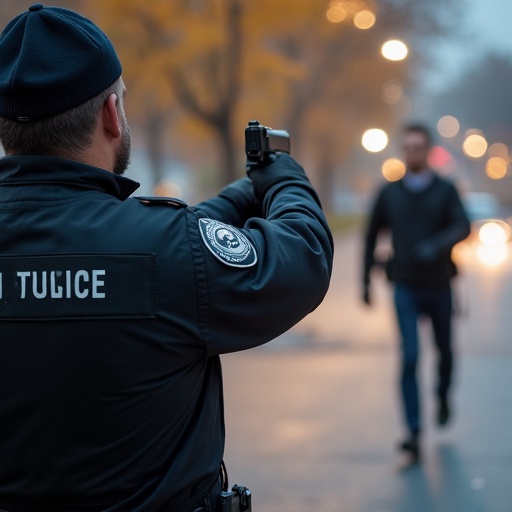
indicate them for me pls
(481, 206)
(491, 232)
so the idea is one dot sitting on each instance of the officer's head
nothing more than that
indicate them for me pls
(61, 91)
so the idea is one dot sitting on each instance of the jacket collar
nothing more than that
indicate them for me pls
(418, 182)
(47, 170)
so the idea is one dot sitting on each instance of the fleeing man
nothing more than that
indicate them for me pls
(424, 215)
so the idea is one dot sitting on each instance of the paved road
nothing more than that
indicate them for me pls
(312, 418)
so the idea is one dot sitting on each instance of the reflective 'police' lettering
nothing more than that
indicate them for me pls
(53, 284)
(78, 286)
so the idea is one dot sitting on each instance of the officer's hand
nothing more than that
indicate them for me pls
(366, 295)
(282, 167)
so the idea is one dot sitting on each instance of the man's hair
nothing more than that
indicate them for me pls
(419, 128)
(66, 135)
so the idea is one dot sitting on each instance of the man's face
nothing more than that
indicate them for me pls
(416, 148)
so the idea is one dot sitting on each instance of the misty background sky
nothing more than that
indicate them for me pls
(486, 26)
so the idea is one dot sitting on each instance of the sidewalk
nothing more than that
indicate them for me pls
(312, 418)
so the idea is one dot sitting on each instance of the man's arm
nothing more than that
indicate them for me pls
(376, 222)
(249, 301)
(457, 229)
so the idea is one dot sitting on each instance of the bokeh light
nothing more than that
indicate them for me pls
(448, 126)
(364, 19)
(374, 140)
(394, 50)
(167, 189)
(336, 13)
(492, 255)
(392, 92)
(494, 232)
(441, 159)
(496, 167)
(474, 145)
(393, 169)
(499, 150)
(493, 249)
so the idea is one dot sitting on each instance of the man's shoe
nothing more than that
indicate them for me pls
(443, 412)
(410, 447)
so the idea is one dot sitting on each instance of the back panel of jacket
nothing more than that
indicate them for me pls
(103, 376)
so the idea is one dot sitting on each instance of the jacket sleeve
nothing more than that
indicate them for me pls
(376, 221)
(456, 229)
(458, 225)
(245, 306)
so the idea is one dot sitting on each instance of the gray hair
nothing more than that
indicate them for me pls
(64, 135)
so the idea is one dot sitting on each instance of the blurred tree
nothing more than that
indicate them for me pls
(200, 69)
(185, 53)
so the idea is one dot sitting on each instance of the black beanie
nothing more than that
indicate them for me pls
(51, 60)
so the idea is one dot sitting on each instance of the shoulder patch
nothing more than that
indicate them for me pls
(162, 201)
(227, 243)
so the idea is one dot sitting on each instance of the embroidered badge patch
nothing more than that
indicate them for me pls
(227, 243)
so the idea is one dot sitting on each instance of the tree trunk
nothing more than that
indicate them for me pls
(155, 130)
(230, 169)
(233, 51)
(326, 183)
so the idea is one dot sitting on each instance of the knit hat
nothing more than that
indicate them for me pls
(51, 60)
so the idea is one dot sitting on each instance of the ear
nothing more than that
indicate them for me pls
(110, 117)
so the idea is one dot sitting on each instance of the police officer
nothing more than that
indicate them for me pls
(114, 309)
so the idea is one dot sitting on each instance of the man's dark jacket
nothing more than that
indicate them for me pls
(424, 227)
(113, 313)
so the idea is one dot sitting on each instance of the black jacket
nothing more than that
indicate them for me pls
(113, 311)
(424, 227)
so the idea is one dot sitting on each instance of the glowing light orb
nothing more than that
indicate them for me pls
(393, 169)
(374, 140)
(496, 168)
(494, 233)
(392, 92)
(499, 149)
(364, 19)
(336, 13)
(474, 145)
(492, 255)
(448, 126)
(394, 49)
